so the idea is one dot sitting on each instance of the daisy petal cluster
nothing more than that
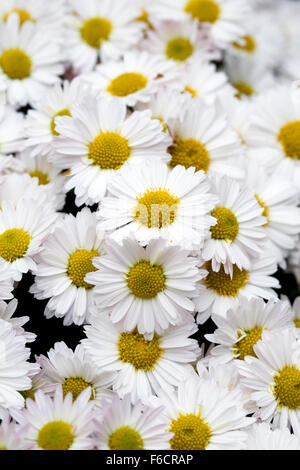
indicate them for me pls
(149, 225)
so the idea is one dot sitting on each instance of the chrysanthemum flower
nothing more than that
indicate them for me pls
(124, 426)
(204, 416)
(66, 259)
(148, 288)
(151, 201)
(142, 365)
(29, 62)
(100, 139)
(11, 434)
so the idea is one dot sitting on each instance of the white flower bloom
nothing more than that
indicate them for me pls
(148, 288)
(11, 434)
(11, 131)
(151, 202)
(142, 365)
(6, 313)
(262, 437)
(99, 139)
(63, 264)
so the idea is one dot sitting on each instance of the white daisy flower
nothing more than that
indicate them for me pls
(148, 288)
(100, 30)
(151, 202)
(238, 235)
(275, 129)
(204, 416)
(9, 164)
(203, 139)
(273, 377)
(142, 366)
(135, 78)
(226, 18)
(59, 423)
(296, 312)
(201, 79)
(63, 264)
(29, 62)
(262, 437)
(6, 313)
(40, 122)
(124, 426)
(11, 434)
(6, 285)
(237, 334)
(15, 369)
(218, 292)
(181, 42)
(99, 139)
(279, 207)
(75, 372)
(11, 131)
(23, 228)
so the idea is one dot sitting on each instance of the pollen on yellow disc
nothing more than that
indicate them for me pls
(56, 435)
(14, 244)
(42, 177)
(248, 45)
(136, 350)
(266, 210)
(189, 153)
(205, 11)
(179, 49)
(63, 112)
(16, 64)
(289, 137)
(157, 208)
(243, 88)
(109, 151)
(191, 432)
(127, 84)
(223, 284)
(244, 347)
(145, 280)
(227, 227)
(125, 438)
(287, 387)
(24, 15)
(95, 30)
(190, 90)
(75, 385)
(297, 323)
(80, 264)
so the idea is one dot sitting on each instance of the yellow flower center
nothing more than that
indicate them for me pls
(297, 323)
(95, 30)
(63, 112)
(192, 91)
(16, 64)
(109, 151)
(205, 11)
(191, 432)
(75, 385)
(244, 347)
(125, 438)
(145, 280)
(141, 353)
(289, 137)
(24, 15)
(80, 264)
(222, 284)
(243, 88)
(189, 152)
(227, 227)
(3, 448)
(179, 49)
(126, 84)
(266, 210)
(42, 177)
(157, 208)
(56, 435)
(287, 387)
(28, 394)
(249, 44)
(13, 244)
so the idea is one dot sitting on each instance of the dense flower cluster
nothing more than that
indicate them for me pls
(175, 127)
